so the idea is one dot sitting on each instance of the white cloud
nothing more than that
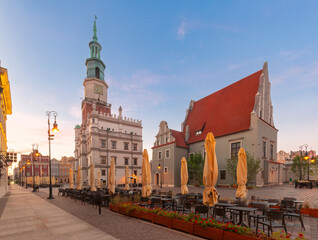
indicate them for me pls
(137, 91)
(181, 32)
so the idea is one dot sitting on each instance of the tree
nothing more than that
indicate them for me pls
(313, 167)
(253, 167)
(195, 168)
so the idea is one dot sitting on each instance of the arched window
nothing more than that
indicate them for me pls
(97, 72)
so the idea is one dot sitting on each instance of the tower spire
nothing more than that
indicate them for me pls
(95, 39)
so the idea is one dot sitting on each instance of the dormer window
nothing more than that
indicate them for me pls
(198, 132)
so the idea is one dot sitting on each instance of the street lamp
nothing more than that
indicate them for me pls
(50, 137)
(34, 154)
(306, 157)
(159, 169)
(301, 154)
(107, 131)
(25, 172)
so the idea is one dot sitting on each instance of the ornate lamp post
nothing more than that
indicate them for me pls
(34, 154)
(306, 157)
(50, 137)
(301, 155)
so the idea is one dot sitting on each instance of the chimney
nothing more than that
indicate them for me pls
(187, 133)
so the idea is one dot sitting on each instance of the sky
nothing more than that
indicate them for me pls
(159, 55)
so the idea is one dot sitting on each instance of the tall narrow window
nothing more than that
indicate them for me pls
(97, 72)
(272, 151)
(264, 149)
(235, 147)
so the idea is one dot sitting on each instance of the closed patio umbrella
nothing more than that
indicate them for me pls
(241, 173)
(111, 177)
(71, 178)
(126, 179)
(79, 178)
(98, 179)
(145, 175)
(184, 176)
(92, 177)
(210, 172)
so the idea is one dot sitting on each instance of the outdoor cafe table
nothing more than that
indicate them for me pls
(164, 201)
(265, 203)
(241, 210)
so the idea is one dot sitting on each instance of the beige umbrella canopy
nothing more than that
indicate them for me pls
(71, 178)
(210, 172)
(98, 179)
(241, 173)
(126, 179)
(111, 177)
(92, 177)
(184, 176)
(145, 175)
(79, 178)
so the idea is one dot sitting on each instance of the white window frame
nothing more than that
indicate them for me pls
(160, 154)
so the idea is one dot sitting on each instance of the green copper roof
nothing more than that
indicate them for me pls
(95, 39)
(77, 126)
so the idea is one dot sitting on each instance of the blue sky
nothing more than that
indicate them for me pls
(159, 55)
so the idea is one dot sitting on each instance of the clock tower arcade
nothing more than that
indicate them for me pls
(94, 85)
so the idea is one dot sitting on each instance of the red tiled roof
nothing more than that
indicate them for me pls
(179, 136)
(225, 111)
(179, 140)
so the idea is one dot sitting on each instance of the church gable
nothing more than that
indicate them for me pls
(224, 112)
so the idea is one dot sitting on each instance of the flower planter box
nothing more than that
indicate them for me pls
(123, 210)
(208, 232)
(147, 216)
(304, 211)
(114, 208)
(134, 213)
(161, 220)
(223, 186)
(313, 212)
(231, 235)
(182, 225)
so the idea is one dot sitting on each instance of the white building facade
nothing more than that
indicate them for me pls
(102, 134)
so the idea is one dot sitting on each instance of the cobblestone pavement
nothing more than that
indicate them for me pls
(117, 225)
(129, 228)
